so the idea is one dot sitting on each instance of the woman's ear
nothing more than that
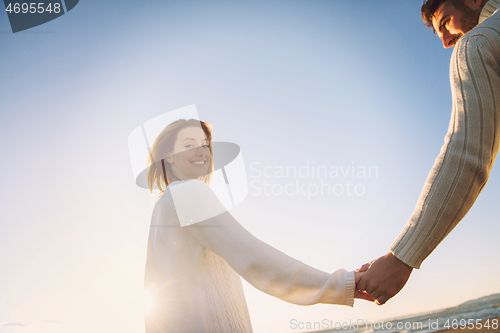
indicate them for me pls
(169, 159)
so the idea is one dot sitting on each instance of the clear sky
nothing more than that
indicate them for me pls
(341, 84)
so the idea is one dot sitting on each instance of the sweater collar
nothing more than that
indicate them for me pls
(489, 9)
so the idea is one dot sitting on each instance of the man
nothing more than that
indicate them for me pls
(471, 145)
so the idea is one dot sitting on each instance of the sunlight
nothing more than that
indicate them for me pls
(148, 301)
(114, 302)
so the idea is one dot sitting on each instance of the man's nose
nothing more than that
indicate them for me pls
(446, 38)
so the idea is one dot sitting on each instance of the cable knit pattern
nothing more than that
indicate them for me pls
(225, 285)
(193, 272)
(471, 145)
(489, 9)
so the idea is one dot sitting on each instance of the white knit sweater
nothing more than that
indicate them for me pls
(192, 270)
(471, 145)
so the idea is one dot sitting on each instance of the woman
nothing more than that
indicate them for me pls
(196, 249)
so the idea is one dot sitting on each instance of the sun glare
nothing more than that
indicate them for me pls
(148, 301)
(113, 302)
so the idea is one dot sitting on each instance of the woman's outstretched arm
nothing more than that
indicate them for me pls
(205, 219)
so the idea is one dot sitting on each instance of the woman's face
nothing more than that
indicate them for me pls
(191, 156)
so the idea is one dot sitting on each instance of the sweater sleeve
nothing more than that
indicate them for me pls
(462, 168)
(263, 266)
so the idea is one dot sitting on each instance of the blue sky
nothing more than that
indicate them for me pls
(330, 83)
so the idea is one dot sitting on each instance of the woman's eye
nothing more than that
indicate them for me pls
(189, 146)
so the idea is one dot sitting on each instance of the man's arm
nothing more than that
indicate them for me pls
(460, 171)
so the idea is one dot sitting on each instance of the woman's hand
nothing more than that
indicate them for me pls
(357, 276)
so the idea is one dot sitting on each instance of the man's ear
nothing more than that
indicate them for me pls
(477, 4)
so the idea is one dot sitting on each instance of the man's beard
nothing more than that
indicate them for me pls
(470, 19)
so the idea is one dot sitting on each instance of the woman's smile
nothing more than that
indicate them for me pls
(191, 156)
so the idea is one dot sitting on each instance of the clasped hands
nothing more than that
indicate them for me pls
(381, 279)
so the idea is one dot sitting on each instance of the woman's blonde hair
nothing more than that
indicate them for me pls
(160, 172)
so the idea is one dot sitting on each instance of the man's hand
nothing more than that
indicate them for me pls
(385, 277)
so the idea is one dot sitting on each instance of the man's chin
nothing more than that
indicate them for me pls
(455, 40)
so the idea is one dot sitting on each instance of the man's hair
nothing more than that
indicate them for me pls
(430, 6)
